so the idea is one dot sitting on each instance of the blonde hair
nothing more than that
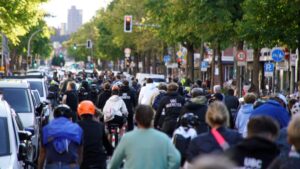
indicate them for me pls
(217, 114)
(294, 130)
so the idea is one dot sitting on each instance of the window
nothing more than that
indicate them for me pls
(34, 85)
(18, 99)
(4, 139)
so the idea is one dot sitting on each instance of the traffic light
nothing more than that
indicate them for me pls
(179, 61)
(74, 46)
(128, 23)
(89, 44)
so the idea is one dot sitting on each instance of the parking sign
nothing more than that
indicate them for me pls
(269, 69)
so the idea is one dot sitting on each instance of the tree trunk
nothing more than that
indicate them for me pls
(144, 63)
(154, 63)
(148, 57)
(201, 59)
(220, 65)
(255, 80)
(298, 64)
(190, 63)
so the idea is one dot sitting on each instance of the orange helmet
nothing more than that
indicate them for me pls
(86, 107)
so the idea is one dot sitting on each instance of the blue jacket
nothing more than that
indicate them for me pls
(273, 109)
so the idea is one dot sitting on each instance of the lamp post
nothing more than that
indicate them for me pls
(28, 44)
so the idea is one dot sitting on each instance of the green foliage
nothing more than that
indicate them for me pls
(18, 16)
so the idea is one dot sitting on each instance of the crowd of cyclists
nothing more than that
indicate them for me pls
(167, 126)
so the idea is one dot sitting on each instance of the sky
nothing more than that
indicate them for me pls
(59, 9)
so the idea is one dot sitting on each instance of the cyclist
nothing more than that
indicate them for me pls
(128, 96)
(61, 141)
(115, 110)
(94, 138)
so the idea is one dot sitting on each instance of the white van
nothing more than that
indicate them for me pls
(157, 78)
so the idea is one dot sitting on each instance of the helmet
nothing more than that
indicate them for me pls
(86, 107)
(115, 87)
(296, 108)
(62, 110)
(188, 120)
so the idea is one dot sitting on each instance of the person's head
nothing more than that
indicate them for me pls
(281, 99)
(217, 115)
(230, 92)
(125, 83)
(217, 89)
(172, 87)
(199, 83)
(175, 80)
(293, 131)
(118, 77)
(69, 75)
(86, 109)
(188, 120)
(106, 86)
(250, 98)
(144, 116)
(263, 126)
(71, 86)
(162, 86)
(115, 90)
(149, 80)
(218, 97)
(62, 110)
(195, 92)
(212, 161)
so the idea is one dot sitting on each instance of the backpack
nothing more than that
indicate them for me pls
(157, 100)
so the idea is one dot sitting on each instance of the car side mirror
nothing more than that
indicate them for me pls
(22, 155)
(25, 135)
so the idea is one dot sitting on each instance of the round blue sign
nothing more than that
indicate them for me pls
(277, 55)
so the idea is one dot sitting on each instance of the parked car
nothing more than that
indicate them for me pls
(18, 95)
(13, 148)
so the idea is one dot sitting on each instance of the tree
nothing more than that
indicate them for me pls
(18, 16)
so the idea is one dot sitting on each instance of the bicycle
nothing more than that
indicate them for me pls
(115, 133)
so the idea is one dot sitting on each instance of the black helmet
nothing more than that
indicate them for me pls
(62, 110)
(189, 120)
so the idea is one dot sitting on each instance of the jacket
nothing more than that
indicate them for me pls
(95, 140)
(242, 118)
(205, 143)
(128, 96)
(254, 152)
(290, 160)
(232, 104)
(102, 98)
(197, 106)
(145, 149)
(171, 104)
(146, 93)
(273, 109)
(115, 106)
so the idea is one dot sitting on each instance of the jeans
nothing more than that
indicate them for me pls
(60, 165)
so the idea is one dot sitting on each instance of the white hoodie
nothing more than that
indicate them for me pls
(146, 93)
(114, 106)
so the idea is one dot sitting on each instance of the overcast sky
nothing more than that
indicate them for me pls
(59, 9)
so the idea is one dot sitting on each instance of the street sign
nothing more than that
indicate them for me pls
(167, 58)
(204, 66)
(241, 58)
(282, 66)
(277, 54)
(269, 69)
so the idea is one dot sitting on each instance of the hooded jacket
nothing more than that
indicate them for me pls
(128, 96)
(273, 109)
(254, 152)
(197, 106)
(114, 106)
(242, 118)
(146, 94)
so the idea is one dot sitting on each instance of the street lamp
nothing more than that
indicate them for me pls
(29, 41)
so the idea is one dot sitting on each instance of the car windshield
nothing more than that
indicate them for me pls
(18, 99)
(37, 86)
(4, 139)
